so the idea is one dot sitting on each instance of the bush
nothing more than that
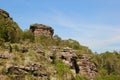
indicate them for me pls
(108, 77)
(1, 41)
(28, 35)
(16, 47)
(63, 71)
(57, 40)
(78, 77)
(45, 41)
(9, 30)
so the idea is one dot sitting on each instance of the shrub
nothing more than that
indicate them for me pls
(62, 70)
(78, 77)
(16, 47)
(28, 35)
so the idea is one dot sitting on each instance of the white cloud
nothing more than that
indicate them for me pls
(96, 36)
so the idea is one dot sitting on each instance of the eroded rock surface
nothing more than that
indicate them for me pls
(41, 29)
(80, 64)
(34, 69)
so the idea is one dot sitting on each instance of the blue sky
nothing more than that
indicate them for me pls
(94, 23)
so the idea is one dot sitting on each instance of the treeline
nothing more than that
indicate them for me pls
(108, 65)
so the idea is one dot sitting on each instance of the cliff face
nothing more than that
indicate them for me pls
(46, 58)
(79, 64)
(40, 29)
(50, 59)
(9, 30)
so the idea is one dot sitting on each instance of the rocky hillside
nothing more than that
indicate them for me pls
(9, 30)
(32, 55)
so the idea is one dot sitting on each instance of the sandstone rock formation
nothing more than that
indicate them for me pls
(41, 29)
(34, 69)
(80, 64)
(87, 68)
(36, 62)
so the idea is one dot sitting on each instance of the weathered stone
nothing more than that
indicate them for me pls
(80, 64)
(23, 50)
(55, 48)
(4, 56)
(87, 68)
(40, 29)
(39, 51)
(4, 13)
(34, 69)
(67, 54)
(9, 48)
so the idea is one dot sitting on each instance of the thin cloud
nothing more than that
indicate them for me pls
(96, 36)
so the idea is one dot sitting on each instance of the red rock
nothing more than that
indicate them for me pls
(41, 29)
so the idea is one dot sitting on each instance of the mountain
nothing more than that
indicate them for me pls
(38, 54)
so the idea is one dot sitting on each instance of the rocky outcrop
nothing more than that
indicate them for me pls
(41, 29)
(2, 56)
(24, 64)
(34, 69)
(23, 50)
(80, 64)
(87, 68)
(66, 55)
(4, 13)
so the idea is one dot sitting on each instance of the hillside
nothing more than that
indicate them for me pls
(38, 54)
(9, 30)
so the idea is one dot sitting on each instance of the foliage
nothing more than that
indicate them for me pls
(62, 70)
(9, 30)
(57, 40)
(54, 58)
(70, 43)
(76, 46)
(73, 44)
(1, 41)
(44, 41)
(79, 77)
(108, 63)
(16, 47)
(28, 35)
(108, 77)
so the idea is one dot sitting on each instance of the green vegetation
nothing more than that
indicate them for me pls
(108, 63)
(78, 77)
(9, 30)
(28, 35)
(63, 71)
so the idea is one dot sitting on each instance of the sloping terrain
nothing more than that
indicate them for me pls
(24, 56)
(9, 30)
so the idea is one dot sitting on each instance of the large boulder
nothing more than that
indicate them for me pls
(41, 29)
